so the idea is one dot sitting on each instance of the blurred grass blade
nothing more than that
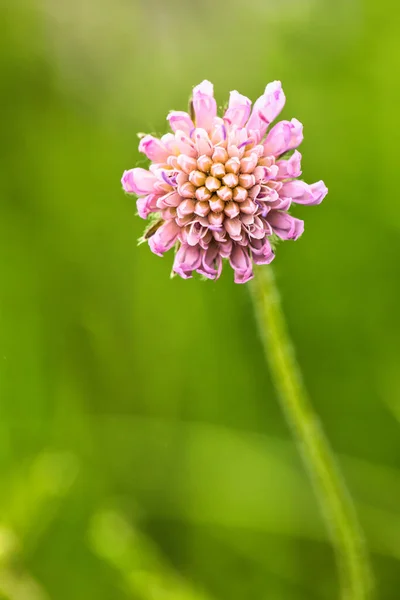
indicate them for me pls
(142, 568)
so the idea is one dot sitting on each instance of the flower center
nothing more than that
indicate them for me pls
(219, 186)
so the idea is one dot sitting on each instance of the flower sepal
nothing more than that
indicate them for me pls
(155, 223)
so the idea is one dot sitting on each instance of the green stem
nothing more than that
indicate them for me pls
(335, 501)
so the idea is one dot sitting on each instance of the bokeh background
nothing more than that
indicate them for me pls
(143, 454)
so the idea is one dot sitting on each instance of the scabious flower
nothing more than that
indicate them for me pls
(221, 187)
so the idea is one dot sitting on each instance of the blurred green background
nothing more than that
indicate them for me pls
(143, 454)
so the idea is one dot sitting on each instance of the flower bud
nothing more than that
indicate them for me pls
(212, 184)
(248, 207)
(204, 163)
(216, 204)
(225, 193)
(231, 210)
(246, 180)
(248, 163)
(202, 209)
(220, 155)
(187, 190)
(198, 178)
(217, 170)
(216, 219)
(239, 194)
(230, 180)
(186, 208)
(202, 194)
(232, 165)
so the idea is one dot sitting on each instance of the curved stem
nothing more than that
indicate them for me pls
(335, 501)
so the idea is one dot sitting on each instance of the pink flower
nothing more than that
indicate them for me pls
(204, 105)
(221, 188)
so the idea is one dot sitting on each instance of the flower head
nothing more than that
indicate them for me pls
(221, 187)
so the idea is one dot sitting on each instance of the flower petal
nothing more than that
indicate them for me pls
(170, 143)
(138, 181)
(178, 119)
(302, 193)
(234, 228)
(243, 277)
(185, 144)
(211, 264)
(289, 168)
(147, 205)
(284, 136)
(218, 133)
(238, 110)
(265, 256)
(187, 259)
(154, 149)
(261, 251)
(202, 142)
(319, 191)
(164, 238)
(285, 226)
(266, 108)
(241, 263)
(204, 105)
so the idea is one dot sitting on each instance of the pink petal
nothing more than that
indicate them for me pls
(219, 132)
(147, 205)
(285, 226)
(261, 251)
(187, 259)
(204, 105)
(263, 259)
(225, 247)
(203, 142)
(243, 277)
(241, 263)
(185, 144)
(263, 256)
(170, 143)
(154, 149)
(172, 199)
(179, 119)
(302, 193)
(234, 228)
(279, 203)
(138, 181)
(319, 191)
(289, 168)
(266, 108)
(186, 207)
(211, 264)
(164, 238)
(195, 233)
(249, 163)
(187, 164)
(238, 110)
(284, 136)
